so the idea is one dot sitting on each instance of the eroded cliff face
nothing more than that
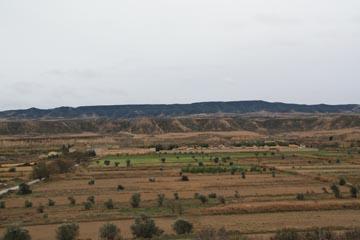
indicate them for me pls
(149, 125)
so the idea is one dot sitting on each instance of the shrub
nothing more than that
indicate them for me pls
(72, 200)
(28, 204)
(109, 204)
(286, 234)
(91, 182)
(135, 200)
(163, 160)
(24, 189)
(273, 174)
(107, 162)
(16, 233)
(144, 227)
(203, 199)
(200, 164)
(300, 196)
(87, 205)
(67, 231)
(161, 199)
(184, 178)
(109, 231)
(222, 199)
(182, 226)
(91, 199)
(243, 174)
(120, 187)
(354, 191)
(41, 171)
(117, 164)
(342, 181)
(128, 163)
(2, 204)
(40, 208)
(12, 169)
(176, 196)
(51, 202)
(335, 189)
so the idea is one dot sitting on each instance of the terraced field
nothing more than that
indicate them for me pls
(257, 203)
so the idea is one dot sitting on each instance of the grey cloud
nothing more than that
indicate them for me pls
(88, 52)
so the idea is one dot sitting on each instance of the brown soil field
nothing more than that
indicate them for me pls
(246, 223)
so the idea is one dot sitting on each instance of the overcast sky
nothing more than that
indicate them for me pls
(84, 52)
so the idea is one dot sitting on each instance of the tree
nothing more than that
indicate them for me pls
(176, 196)
(300, 196)
(342, 181)
(212, 195)
(28, 204)
(184, 178)
(72, 200)
(87, 205)
(286, 234)
(67, 231)
(109, 231)
(354, 191)
(41, 171)
(135, 200)
(16, 233)
(51, 202)
(109, 204)
(352, 234)
(161, 199)
(144, 227)
(336, 190)
(209, 233)
(120, 187)
(182, 226)
(91, 199)
(203, 199)
(40, 208)
(24, 189)
(222, 199)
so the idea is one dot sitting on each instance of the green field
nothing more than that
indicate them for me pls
(188, 158)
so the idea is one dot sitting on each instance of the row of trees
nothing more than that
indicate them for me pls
(143, 227)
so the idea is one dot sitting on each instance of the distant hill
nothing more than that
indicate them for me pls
(173, 110)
